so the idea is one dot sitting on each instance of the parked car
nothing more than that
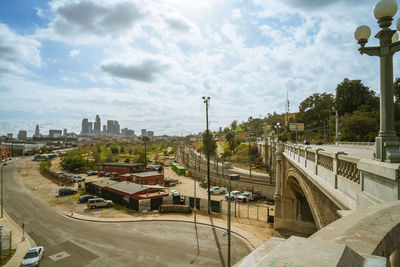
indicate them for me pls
(85, 198)
(78, 178)
(174, 192)
(306, 142)
(99, 203)
(246, 196)
(107, 174)
(66, 191)
(101, 173)
(318, 143)
(233, 195)
(217, 190)
(90, 173)
(33, 257)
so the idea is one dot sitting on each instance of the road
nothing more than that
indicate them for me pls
(69, 242)
(357, 152)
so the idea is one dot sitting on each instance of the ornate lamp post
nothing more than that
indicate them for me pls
(206, 100)
(277, 127)
(387, 143)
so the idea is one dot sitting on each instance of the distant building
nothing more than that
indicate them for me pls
(150, 134)
(65, 132)
(37, 132)
(127, 132)
(9, 136)
(55, 133)
(104, 128)
(85, 126)
(22, 135)
(110, 127)
(97, 125)
(144, 132)
(117, 130)
(90, 127)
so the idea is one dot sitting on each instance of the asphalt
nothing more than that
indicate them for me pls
(154, 240)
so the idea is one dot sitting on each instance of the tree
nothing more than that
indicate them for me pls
(229, 136)
(209, 138)
(396, 90)
(315, 109)
(350, 94)
(234, 124)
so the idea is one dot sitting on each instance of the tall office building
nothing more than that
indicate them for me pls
(90, 127)
(110, 127)
(117, 130)
(150, 134)
(97, 125)
(22, 135)
(85, 126)
(104, 128)
(144, 133)
(65, 133)
(55, 133)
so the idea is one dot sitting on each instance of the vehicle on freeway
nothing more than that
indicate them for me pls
(306, 142)
(318, 143)
(246, 196)
(217, 190)
(233, 195)
(33, 257)
(90, 173)
(5, 162)
(85, 198)
(98, 203)
(66, 191)
(174, 192)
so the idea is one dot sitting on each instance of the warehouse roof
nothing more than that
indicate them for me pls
(147, 174)
(128, 187)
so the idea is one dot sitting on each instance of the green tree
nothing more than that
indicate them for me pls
(350, 94)
(315, 109)
(229, 136)
(209, 138)
(234, 124)
(396, 90)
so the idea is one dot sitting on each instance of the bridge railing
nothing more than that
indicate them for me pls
(338, 169)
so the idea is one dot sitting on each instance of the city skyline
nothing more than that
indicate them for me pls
(148, 64)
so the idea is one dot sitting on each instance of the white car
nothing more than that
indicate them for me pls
(33, 257)
(233, 196)
(217, 190)
(174, 192)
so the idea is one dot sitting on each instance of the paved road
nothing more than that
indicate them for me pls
(69, 242)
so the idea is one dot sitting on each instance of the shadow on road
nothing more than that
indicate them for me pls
(217, 241)
(198, 247)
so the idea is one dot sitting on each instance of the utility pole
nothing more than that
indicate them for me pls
(249, 157)
(208, 135)
(337, 126)
(2, 190)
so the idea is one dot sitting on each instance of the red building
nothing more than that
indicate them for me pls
(148, 178)
(120, 167)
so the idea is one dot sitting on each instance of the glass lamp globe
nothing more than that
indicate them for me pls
(385, 8)
(362, 33)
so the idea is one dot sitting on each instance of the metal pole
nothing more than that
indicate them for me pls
(229, 221)
(145, 157)
(337, 127)
(249, 158)
(194, 206)
(2, 203)
(208, 160)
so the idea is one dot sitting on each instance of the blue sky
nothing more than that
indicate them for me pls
(148, 63)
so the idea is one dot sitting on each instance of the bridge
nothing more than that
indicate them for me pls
(336, 203)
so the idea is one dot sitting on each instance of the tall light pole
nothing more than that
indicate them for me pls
(207, 100)
(387, 143)
(277, 127)
(336, 126)
(2, 189)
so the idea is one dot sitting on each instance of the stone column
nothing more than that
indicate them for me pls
(278, 158)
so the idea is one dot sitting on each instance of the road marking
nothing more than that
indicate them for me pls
(59, 256)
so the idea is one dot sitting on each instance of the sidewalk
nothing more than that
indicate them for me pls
(21, 246)
(254, 235)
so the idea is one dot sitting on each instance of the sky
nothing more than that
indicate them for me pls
(147, 64)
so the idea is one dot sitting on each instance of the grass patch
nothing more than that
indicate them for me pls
(123, 209)
(5, 260)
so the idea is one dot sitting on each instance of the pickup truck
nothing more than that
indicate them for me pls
(246, 196)
(234, 194)
(217, 190)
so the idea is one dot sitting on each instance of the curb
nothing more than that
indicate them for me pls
(248, 243)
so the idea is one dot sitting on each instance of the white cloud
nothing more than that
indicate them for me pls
(74, 53)
(236, 13)
(17, 51)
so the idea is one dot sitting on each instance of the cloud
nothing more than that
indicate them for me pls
(144, 72)
(74, 53)
(17, 51)
(90, 19)
(178, 24)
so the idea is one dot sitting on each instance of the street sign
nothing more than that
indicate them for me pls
(299, 127)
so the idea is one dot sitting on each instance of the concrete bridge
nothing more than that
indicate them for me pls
(345, 203)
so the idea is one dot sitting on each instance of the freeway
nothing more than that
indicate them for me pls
(357, 152)
(70, 242)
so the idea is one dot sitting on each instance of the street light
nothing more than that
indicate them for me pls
(387, 143)
(277, 127)
(2, 203)
(207, 100)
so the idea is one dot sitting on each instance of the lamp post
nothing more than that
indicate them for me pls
(2, 190)
(336, 125)
(206, 101)
(277, 127)
(387, 143)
